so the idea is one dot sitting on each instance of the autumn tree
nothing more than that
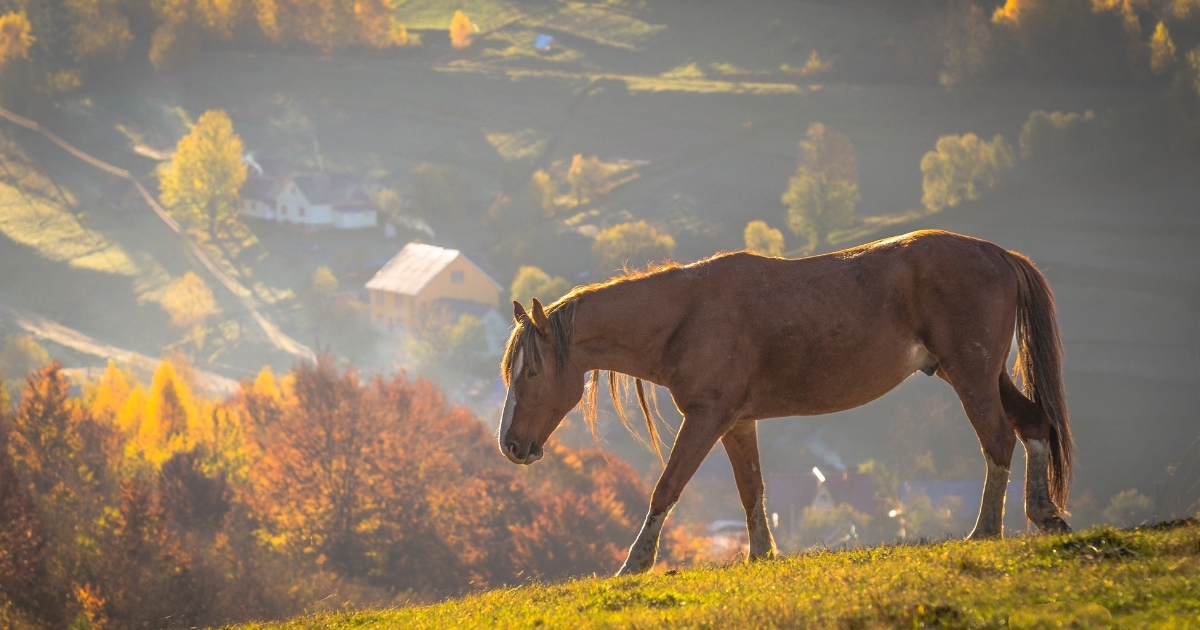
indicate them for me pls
(189, 303)
(542, 191)
(822, 193)
(960, 167)
(1162, 50)
(631, 243)
(588, 178)
(378, 27)
(966, 43)
(1055, 134)
(531, 282)
(460, 30)
(99, 32)
(762, 239)
(16, 36)
(201, 182)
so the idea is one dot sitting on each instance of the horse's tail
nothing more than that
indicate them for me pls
(1039, 366)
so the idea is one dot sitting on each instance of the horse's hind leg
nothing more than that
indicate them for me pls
(741, 445)
(981, 400)
(1033, 427)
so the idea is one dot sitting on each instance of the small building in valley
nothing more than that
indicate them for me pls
(317, 200)
(424, 278)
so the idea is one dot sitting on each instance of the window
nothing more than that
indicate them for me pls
(456, 276)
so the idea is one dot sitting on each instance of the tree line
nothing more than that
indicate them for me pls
(131, 505)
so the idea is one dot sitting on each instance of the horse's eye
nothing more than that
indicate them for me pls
(530, 373)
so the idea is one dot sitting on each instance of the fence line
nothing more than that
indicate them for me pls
(277, 337)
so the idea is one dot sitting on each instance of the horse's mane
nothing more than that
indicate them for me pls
(561, 315)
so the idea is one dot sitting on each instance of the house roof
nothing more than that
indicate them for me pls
(261, 188)
(799, 491)
(409, 271)
(330, 188)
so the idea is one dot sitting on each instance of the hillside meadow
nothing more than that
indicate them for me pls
(1138, 578)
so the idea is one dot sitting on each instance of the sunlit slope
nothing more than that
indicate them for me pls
(1100, 578)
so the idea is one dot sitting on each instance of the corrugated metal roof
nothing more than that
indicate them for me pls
(409, 271)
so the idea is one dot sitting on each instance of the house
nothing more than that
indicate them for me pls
(789, 495)
(317, 200)
(423, 277)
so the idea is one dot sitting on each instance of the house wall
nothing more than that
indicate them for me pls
(257, 209)
(292, 206)
(389, 311)
(474, 285)
(354, 220)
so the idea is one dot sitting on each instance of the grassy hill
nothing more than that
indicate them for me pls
(1145, 577)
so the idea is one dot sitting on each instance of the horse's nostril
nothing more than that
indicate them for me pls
(512, 448)
(533, 447)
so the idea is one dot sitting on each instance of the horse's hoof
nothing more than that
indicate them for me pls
(978, 535)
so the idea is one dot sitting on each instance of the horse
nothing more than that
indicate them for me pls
(738, 337)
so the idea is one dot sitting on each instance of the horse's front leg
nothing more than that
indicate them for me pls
(741, 445)
(697, 435)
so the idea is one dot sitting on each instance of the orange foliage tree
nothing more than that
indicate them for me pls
(460, 30)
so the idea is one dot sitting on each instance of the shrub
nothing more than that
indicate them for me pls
(460, 30)
(1050, 134)
(531, 282)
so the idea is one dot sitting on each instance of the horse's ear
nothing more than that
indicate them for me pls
(518, 312)
(539, 318)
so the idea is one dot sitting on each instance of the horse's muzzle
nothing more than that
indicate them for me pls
(522, 455)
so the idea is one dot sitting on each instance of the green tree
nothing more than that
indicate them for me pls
(822, 194)
(531, 282)
(763, 239)
(323, 281)
(21, 355)
(542, 191)
(637, 243)
(202, 180)
(960, 167)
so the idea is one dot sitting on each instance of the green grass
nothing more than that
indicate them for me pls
(1100, 578)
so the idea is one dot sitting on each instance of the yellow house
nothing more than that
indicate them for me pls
(422, 275)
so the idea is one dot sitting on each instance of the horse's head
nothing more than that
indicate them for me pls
(543, 384)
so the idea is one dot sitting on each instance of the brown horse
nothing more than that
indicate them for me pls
(738, 337)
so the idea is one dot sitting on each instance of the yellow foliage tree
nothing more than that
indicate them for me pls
(588, 178)
(631, 243)
(377, 27)
(960, 167)
(16, 36)
(531, 282)
(763, 239)
(99, 33)
(170, 421)
(21, 355)
(460, 30)
(202, 180)
(106, 397)
(189, 302)
(821, 195)
(1162, 50)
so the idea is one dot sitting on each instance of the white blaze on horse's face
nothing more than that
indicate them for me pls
(507, 446)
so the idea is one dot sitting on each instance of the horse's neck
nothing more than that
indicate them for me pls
(624, 327)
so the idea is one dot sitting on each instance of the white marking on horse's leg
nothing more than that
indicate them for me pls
(990, 523)
(644, 551)
(1038, 506)
(510, 403)
(762, 544)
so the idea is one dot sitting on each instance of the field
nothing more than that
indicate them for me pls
(1101, 578)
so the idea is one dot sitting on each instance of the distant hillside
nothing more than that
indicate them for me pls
(1101, 578)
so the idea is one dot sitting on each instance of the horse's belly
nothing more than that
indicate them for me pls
(837, 382)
